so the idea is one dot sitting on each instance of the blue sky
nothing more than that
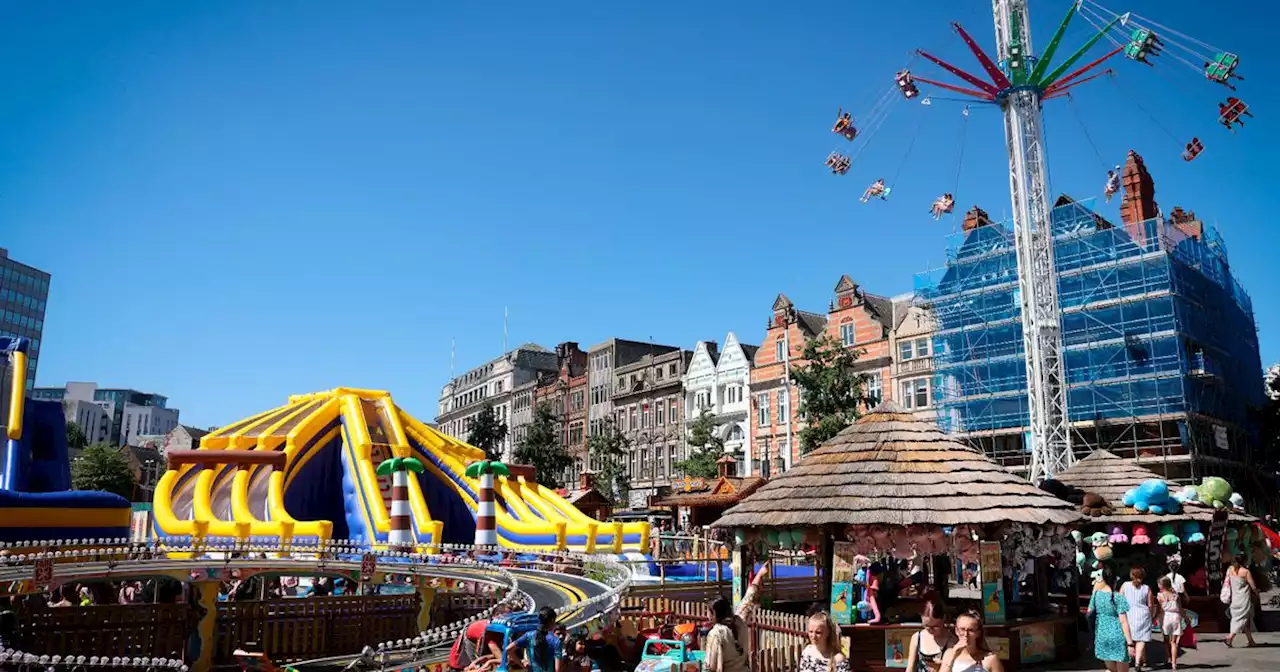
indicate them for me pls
(243, 200)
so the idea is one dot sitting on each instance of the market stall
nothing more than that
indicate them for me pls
(701, 501)
(1134, 518)
(893, 503)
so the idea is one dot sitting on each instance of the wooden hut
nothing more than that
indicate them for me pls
(706, 498)
(891, 469)
(1109, 476)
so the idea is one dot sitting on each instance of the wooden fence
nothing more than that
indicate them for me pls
(776, 638)
(106, 630)
(293, 629)
(450, 607)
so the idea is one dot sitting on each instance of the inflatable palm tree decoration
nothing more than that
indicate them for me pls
(486, 516)
(401, 535)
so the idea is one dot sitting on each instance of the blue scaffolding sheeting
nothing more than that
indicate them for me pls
(1153, 325)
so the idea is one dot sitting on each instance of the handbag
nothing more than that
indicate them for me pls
(1188, 639)
(1224, 595)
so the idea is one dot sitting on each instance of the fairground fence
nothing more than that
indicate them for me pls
(775, 639)
(384, 627)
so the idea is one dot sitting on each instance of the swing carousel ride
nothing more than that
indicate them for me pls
(1018, 82)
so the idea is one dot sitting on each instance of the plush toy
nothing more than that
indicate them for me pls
(1152, 497)
(1117, 535)
(1096, 575)
(1237, 501)
(1103, 553)
(1076, 536)
(1080, 558)
(1191, 533)
(1095, 505)
(1097, 538)
(1140, 535)
(1189, 494)
(1215, 492)
(1168, 537)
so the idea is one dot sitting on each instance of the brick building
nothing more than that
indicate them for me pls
(565, 393)
(855, 319)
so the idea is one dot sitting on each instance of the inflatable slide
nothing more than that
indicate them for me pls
(36, 500)
(308, 470)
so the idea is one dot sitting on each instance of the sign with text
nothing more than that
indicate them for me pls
(992, 570)
(368, 566)
(43, 575)
(842, 593)
(1213, 549)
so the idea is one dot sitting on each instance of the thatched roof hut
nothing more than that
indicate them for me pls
(1109, 475)
(892, 468)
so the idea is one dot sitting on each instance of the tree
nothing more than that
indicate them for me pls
(488, 433)
(608, 450)
(76, 440)
(831, 392)
(104, 467)
(705, 447)
(542, 448)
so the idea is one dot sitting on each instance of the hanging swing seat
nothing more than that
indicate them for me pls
(1222, 68)
(1229, 113)
(1193, 150)
(844, 127)
(882, 194)
(838, 163)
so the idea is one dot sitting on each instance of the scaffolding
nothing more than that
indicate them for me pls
(1160, 346)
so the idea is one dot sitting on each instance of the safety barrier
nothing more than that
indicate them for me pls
(776, 638)
(293, 629)
(96, 559)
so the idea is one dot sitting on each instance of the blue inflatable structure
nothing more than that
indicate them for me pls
(36, 500)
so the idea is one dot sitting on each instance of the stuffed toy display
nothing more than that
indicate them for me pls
(1094, 505)
(1140, 535)
(1215, 492)
(1152, 497)
(1191, 533)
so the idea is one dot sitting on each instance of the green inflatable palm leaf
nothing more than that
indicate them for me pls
(476, 469)
(391, 466)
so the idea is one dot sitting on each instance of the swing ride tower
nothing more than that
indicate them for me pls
(1033, 238)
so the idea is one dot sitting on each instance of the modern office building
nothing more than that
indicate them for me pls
(24, 292)
(1161, 349)
(132, 413)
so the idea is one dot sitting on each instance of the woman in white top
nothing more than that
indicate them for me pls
(1142, 609)
(823, 653)
(971, 654)
(726, 643)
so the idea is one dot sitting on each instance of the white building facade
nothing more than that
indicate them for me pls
(718, 381)
(492, 383)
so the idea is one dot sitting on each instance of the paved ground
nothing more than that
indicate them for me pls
(1212, 655)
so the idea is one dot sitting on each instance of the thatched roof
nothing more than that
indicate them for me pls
(892, 468)
(1109, 475)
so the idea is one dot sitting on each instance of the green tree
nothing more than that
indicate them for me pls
(705, 448)
(542, 449)
(76, 440)
(608, 450)
(104, 467)
(831, 392)
(488, 433)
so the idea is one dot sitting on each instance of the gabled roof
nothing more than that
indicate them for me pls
(812, 324)
(194, 432)
(892, 468)
(881, 308)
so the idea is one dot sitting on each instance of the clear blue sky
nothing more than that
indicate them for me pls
(243, 200)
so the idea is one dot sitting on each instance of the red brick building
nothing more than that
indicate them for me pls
(565, 393)
(855, 319)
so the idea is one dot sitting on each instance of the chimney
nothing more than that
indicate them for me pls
(1139, 203)
(976, 217)
(1186, 222)
(586, 480)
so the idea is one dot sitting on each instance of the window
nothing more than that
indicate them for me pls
(762, 409)
(577, 401)
(905, 350)
(874, 389)
(847, 336)
(673, 410)
(782, 408)
(702, 400)
(915, 393)
(633, 381)
(622, 383)
(634, 418)
(780, 349)
(661, 461)
(644, 416)
(733, 394)
(657, 373)
(673, 370)
(644, 464)
(660, 414)
(497, 387)
(922, 347)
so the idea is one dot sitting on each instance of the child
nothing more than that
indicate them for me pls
(1172, 623)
